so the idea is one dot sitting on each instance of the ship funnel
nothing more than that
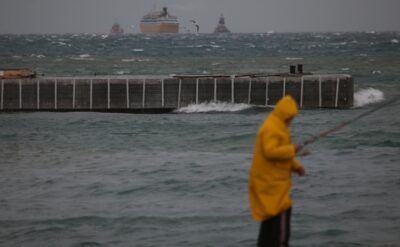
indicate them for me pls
(164, 11)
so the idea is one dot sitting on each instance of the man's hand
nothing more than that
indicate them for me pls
(297, 148)
(300, 171)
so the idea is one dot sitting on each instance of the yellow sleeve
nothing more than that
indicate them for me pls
(272, 149)
(295, 165)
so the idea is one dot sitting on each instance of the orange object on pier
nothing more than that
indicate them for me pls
(16, 73)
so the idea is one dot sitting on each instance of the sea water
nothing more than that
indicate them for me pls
(180, 179)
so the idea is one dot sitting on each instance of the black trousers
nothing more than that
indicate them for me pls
(275, 231)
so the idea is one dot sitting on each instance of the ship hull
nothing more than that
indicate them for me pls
(159, 27)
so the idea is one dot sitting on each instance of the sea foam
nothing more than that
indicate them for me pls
(213, 107)
(361, 98)
(367, 96)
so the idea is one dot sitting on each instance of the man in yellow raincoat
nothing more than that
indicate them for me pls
(270, 174)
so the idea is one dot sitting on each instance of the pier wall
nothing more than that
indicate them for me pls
(166, 94)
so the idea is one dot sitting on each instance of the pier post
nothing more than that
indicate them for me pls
(300, 68)
(292, 69)
(127, 94)
(179, 93)
(162, 93)
(197, 91)
(301, 92)
(337, 92)
(55, 94)
(215, 89)
(73, 93)
(284, 87)
(266, 91)
(20, 94)
(91, 95)
(233, 89)
(144, 93)
(320, 91)
(249, 94)
(108, 94)
(2, 95)
(38, 94)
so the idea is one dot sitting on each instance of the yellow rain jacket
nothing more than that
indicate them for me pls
(273, 162)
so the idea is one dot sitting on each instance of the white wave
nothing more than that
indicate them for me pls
(318, 36)
(376, 72)
(213, 107)
(61, 43)
(38, 56)
(121, 72)
(86, 57)
(137, 50)
(293, 58)
(368, 96)
(394, 41)
(250, 45)
(128, 60)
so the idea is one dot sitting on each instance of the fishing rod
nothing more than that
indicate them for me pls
(345, 123)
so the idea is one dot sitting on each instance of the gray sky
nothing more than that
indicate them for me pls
(97, 16)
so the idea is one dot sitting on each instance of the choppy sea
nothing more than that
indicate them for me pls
(180, 179)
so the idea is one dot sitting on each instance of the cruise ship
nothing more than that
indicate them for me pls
(159, 22)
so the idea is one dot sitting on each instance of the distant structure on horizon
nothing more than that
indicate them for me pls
(159, 22)
(116, 29)
(221, 28)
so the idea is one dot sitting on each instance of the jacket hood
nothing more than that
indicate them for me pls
(286, 108)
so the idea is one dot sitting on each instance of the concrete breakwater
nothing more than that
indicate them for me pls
(156, 95)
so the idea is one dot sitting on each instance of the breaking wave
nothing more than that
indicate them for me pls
(367, 96)
(213, 107)
(361, 98)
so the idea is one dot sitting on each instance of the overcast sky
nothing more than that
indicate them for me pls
(97, 16)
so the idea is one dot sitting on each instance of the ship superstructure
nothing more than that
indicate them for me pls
(116, 29)
(159, 22)
(221, 28)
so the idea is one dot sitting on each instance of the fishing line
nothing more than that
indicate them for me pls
(345, 123)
